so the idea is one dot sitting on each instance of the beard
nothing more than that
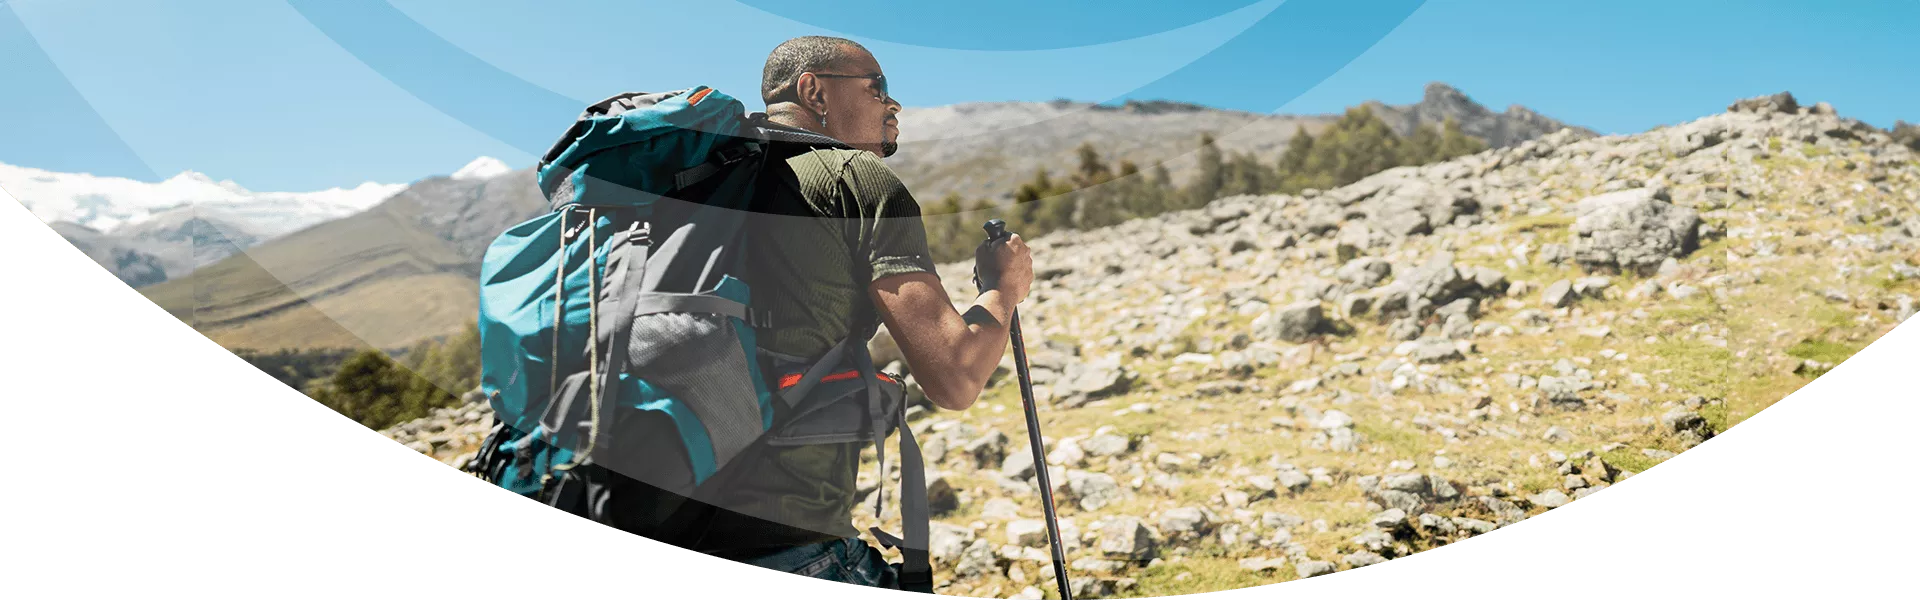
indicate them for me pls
(888, 148)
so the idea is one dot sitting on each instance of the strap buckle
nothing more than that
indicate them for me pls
(733, 154)
(915, 580)
(916, 573)
(887, 540)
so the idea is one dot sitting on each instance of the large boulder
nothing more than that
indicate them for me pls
(1633, 229)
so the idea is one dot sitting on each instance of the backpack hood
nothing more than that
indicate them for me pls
(590, 164)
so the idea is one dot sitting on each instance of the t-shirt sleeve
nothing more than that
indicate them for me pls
(891, 225)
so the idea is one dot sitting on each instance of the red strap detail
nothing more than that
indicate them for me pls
(794, 379)
(697, 96)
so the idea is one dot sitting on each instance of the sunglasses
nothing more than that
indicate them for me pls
(879, 82)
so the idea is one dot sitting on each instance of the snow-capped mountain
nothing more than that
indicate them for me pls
(150, 232)
(109, 203)
(483, 168)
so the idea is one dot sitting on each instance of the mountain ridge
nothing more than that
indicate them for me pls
(982, 150)
(148, 232)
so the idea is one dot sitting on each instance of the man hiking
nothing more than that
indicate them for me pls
(698, 375)
(834, 214)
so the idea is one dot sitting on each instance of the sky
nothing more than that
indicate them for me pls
(300, 95)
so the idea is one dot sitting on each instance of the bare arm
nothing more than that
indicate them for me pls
(952, 354)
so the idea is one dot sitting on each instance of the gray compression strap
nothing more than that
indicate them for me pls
(916, 573)
(647, 304)
(629, 250)
(793, 395)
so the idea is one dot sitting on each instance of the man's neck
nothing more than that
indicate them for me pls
(788, 115)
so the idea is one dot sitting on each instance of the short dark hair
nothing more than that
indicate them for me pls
(800, 55)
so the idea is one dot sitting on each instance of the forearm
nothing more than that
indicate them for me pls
(980, 345)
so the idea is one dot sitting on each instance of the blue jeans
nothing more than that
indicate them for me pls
(848, 560)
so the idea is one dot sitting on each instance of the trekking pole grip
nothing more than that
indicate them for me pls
(996, 229)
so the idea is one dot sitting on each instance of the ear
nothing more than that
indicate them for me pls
(810, 92)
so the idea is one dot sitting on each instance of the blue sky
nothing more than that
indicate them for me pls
(311, 94)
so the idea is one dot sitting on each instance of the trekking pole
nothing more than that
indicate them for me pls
(996, 231)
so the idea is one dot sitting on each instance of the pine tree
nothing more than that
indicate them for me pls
(1092, 170)
(1424, 147)
(1907, 133)
(1293, 161)
(1365, 146)
(1210, 177)
(1456, 143)
(368, 388)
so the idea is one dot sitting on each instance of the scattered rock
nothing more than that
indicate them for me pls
(1085, 381)
(1363, 558)
(1027, 532)
(1171, 463)
(1558, 294)
(1124, 538)
(1556, 434)
(1551, 498)
(976, 561)
(1404, 330)
(1293, 481)
(1390, 520)
(1476, 527)
(1431, 350)
(1294, 323)
(1680, 420)
(942, 498)
(1185, 523)
(1017, 465)
(1067, 452)
(1000, 508)
(1262, 565)
(1313, 568)
(1092, 490)
(1105, 445)
(1276, 520)
(1406, 483)
(1436, 524)
(1778, 103)
(945, 542)
(1635, 229)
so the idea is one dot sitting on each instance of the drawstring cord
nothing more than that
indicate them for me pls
(593, 336)
(593, 326)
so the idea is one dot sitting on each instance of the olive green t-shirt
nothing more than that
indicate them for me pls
(824, 210)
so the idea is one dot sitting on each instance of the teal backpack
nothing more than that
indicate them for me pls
(618, 330)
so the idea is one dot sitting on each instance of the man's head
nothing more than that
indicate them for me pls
(833, 86)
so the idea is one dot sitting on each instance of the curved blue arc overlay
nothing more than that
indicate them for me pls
(466, 88)
(74, 119)
(1026, 26)
(1305, 41)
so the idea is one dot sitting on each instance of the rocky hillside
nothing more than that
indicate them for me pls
(1278, 387)
(985, 150)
